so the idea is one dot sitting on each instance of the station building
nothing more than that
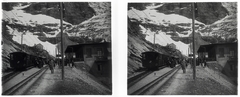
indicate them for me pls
(224, 54)
(94, 58)
(221, 53)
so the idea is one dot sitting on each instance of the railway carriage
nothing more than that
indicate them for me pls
(153, 60)
(19, 60)
(22, 60)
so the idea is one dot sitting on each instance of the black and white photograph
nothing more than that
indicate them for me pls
(56, 48)
(182, 48)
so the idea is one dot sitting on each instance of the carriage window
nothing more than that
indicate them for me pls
(143, 56)
(89, 52)
(11, 56)
(160, 57)
(221, 52)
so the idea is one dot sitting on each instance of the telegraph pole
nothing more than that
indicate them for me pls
(154, 40)
(22, 40)
(193, 33)
(62, 54)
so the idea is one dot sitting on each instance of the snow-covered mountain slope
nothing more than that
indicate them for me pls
(42, 26)
(101, 8)
(151, 16)
(224, 29)
(18, 16)
(31, 40)
(39, 23)
(163, 39)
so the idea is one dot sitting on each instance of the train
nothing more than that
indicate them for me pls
(153, 60)
(22, 61)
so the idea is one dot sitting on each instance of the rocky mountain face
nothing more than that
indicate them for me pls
(97, 28)
(206, 13)
(74, 13)
(225, 29)
(215, 23)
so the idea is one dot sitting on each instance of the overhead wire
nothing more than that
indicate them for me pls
(9, 20)
(23, 24)
(16, 17)
(136, 14)
(155, 32)
(149, 17)
(6, 15)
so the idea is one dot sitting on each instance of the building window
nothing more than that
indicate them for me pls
(99, 67)
(206, 54)
(100, 52)
(231, 52)
(89, 52)
(221, 52)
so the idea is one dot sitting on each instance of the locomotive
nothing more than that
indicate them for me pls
(153, 60)
(22, 60)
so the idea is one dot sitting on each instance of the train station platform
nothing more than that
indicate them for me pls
(76, 82)
(207, 82)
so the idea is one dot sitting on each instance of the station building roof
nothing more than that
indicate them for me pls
(203, 48)
(74, 48)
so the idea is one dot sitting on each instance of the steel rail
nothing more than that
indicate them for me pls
(151, 84)
(16, 87)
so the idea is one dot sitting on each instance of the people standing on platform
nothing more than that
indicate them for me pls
(187, 62)
(51, 64)
(197, 61)
(205, 62)
(72, 61)
(183, 65)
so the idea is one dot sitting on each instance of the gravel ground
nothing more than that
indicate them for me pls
(51, 84)
(204, 84)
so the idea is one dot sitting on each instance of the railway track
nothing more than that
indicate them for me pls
(135, 79)
(15, 88)
(150, 88)
(11, 75)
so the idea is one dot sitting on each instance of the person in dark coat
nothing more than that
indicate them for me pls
(72, 61)
(205, 62)
(51, 64)
(183, 65)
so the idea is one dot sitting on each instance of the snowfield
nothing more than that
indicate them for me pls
(18, 16)
(17, 13)
(163, 39)
(150, 15)
(30, 40)
(156, 17)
